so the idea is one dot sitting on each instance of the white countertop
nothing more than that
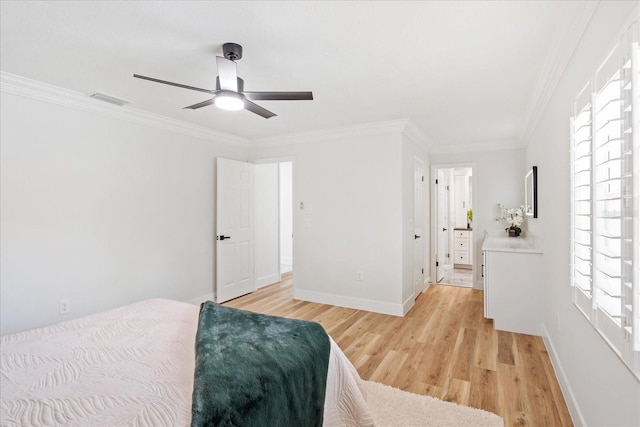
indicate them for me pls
(510, 244)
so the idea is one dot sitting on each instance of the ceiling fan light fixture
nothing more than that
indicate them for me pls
(229, 93)
(229, 101)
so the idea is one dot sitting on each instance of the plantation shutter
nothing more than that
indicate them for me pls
(631, 109)
(581, 206)
(613, 244)
(605, 199)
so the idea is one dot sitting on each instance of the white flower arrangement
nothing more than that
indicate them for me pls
(514, 217)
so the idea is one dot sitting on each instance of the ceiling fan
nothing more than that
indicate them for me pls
(229, 93)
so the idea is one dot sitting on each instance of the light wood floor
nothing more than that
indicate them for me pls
(443, 348)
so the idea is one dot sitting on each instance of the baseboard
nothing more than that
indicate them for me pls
(409, 302)
(199, 300)
(286, 275)
(349, 302)
(478, 284)
(567, 392)
(426, 284)
(267, 280)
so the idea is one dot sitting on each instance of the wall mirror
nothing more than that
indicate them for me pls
(531, 192)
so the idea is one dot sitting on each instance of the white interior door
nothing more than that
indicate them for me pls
(234, 228)
(442, 233)
(418, 223)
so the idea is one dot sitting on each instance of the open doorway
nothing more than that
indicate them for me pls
(286, 219)
(273, 221)
(453, 249)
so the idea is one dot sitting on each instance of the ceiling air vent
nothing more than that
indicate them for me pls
(109, 99)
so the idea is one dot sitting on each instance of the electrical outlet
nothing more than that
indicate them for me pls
(65, 306)
(359, 276)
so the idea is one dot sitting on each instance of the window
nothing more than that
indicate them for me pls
(605, 203)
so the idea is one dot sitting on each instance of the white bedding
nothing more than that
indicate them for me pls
(129, 366)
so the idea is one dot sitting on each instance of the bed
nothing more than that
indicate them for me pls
(132, 365)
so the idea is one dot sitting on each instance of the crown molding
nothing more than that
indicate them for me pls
(22, 86)
(412, 132)
(404, 127)
(321, 135)
(500, 145)
(568, 35)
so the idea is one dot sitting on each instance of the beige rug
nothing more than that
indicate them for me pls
(394, 407)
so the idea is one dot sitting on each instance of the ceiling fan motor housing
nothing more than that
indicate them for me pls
(232, 51)
(240, 84)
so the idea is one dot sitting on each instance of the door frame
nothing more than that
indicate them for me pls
(437, 175)
(419, 287)
(434, 211)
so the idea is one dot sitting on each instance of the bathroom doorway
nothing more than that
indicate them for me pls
(453, 224)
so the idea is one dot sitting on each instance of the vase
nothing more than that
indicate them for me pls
(514, 232)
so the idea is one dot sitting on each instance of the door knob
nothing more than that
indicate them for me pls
(415, 236)
(444, 229)
(222, 237)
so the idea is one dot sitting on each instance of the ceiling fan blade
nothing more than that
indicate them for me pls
(200, 104)
(228, 74)
(151, 79)
(279, 96)
(255, 108)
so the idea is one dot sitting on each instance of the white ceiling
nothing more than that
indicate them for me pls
(468, 74)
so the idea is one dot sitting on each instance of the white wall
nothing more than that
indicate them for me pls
(101, 211)
(599, 389)
(267, 236)
(351, 188)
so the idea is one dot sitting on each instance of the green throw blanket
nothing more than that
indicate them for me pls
(258, 370)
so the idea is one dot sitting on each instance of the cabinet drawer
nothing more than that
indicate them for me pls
(465, 234)
(462, 258)
(462, 244)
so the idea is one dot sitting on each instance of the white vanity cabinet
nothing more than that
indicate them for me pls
(463, 247)
(511, 268)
